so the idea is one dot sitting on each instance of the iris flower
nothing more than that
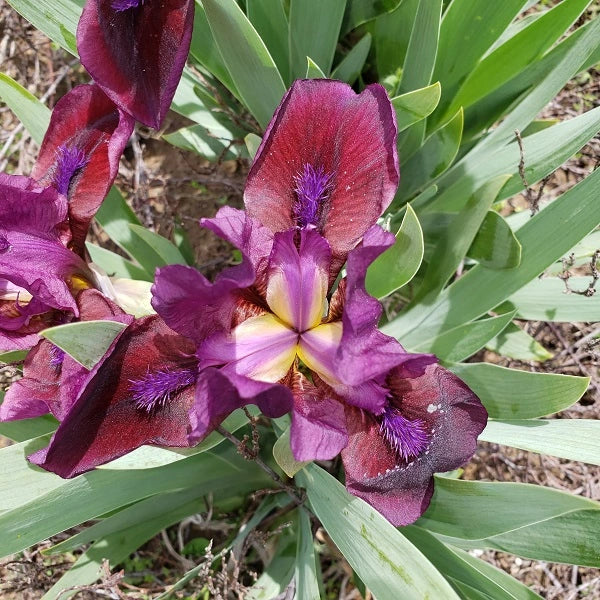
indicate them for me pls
(285, 329)
(325, 171)
(44, 218)
(135, 50)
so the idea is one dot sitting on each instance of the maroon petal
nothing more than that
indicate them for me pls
(111, 417)
(135, 51)
(365, 352)
(318, 429)
(219, 394)
(401, 488)
(51, 379)
(329, 146)
(80, 153)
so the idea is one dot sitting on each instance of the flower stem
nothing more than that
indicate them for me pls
(249, 455)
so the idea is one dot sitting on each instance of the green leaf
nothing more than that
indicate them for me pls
(313, 71)
(422, 47)
(360, 11)
(270, 21)
(573, 439)
(459, 567)
(314, 30)
(543, 151)
(307, 584)
(166, 252)
(519, 51)
(416, 105)
(435, 156)
(252, 143)
(87, 341)
(148, 508)
(566, 221)
(468, 29)
(13, 356)
(250, 65)
(392, 34)
(29, 110)
(121, 534)
(489, 110)
(282, 453)
(458, 237)
(350, 68)
(26, 429)
(88, 496)
(545, 300)
(513, 394)
(548, 88)
(203, 142)
(182, 241)
(398, 264)
(115, 265)
(465, 340)
(549, 525)
(389, 565)
(204, 50)
(515, 343)
(116, 216)
(495, 245)
(56, 18)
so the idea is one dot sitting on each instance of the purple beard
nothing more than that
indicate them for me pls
(122, 5)
(70, 161)
(312, 188)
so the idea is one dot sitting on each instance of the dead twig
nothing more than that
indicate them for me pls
(533, 198)
(595, 273)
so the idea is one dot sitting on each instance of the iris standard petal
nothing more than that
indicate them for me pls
(195, 307)
(192, 305)
(137, 54)
(248, 235)
(261, 347)
(330, 146)
(297, 278)
(80, 153)
(32, 252)
(364, 351)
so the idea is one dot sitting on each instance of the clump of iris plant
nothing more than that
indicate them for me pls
(290, 329)
(286, 329)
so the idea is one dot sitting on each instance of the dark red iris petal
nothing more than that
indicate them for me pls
(136, 54)
(400, 486)
(80, 153)
(105, 421)
(328, 158)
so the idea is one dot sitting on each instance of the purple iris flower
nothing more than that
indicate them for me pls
(277, 332)
(326, 169)
(44, 219)
(135, 50)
